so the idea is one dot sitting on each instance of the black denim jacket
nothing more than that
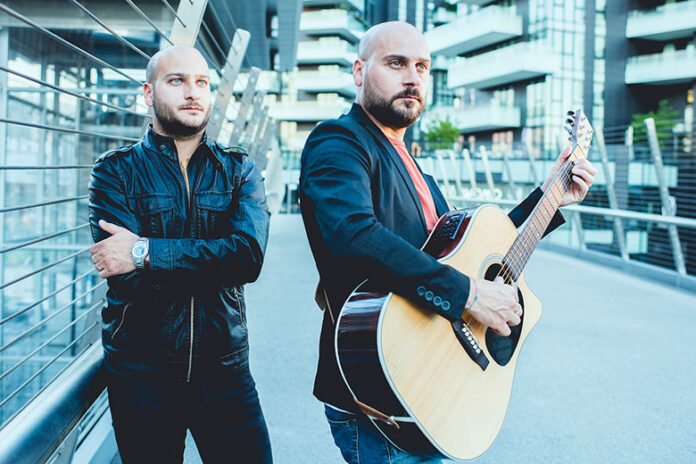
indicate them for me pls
(184, 312)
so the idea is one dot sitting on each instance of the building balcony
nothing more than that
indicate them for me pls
(476, 2)
(483, 28)
(479, 118)
(329, 50)
(518, 62)
(351, 4)
(321, 109)
(666, 68)
(667, 22)
(443, 16)
(268, 81)
(331, 22)
(325, 81)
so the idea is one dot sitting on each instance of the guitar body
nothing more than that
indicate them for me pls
(448, 399)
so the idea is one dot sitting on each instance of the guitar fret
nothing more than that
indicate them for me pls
(521, 250)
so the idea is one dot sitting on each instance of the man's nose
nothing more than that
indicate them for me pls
(412, 77)
(192, 91)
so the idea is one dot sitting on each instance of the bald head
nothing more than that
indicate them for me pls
(171, 57)
(392, 73)
(383, 34)
(178, 89)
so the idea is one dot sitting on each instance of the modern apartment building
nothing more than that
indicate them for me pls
(504, 66)
(516, 66)
(321, 87)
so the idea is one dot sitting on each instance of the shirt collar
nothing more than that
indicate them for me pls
(165, 145)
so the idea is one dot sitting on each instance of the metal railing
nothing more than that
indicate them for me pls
(641, 209)
(55, 118)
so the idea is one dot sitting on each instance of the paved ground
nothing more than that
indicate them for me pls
(608, 375)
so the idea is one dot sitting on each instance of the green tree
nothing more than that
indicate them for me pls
(664, 117)
(441, 134)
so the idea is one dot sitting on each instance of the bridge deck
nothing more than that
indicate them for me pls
(607, 375)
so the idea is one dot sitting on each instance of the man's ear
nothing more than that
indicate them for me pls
(147, 93)
(358, 70)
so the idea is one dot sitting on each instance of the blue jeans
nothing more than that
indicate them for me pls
(361, 443)
(224, 415)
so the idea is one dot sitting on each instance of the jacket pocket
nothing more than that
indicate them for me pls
(214, 208)
(239, 298)
(155, 212)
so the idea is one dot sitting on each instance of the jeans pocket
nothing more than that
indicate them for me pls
(344, 429)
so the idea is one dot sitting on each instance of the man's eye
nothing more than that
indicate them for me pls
(395, 63)
(176, 80)
(203, 83)
(422, 66)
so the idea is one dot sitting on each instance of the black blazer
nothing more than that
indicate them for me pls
(364, 220)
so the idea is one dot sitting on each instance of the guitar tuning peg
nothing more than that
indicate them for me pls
(571, 113)
(570, 121)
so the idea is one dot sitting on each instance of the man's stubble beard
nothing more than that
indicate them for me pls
(173, 125)
(385, 111)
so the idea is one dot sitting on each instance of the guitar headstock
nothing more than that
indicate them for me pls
(580, 132)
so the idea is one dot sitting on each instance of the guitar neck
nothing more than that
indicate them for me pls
(540, 218)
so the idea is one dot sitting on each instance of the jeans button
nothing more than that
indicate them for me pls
(429, 295)
(420, 290)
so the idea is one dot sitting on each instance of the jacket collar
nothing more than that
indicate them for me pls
(358, 114)
(165, 145)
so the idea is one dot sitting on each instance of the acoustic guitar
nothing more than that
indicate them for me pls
(438, 388)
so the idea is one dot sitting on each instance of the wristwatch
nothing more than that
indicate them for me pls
(139, 252)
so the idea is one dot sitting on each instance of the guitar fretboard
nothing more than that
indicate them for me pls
(540, 218)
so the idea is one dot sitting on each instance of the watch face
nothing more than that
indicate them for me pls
(139, 250)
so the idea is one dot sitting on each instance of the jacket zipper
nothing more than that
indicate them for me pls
(184, 170)
(123, 319)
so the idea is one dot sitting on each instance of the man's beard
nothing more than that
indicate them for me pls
(174, 126)
(386, 111)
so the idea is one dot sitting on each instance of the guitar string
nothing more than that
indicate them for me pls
(533, 226)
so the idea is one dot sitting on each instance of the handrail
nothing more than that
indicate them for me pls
(597, 211)
(36, 432)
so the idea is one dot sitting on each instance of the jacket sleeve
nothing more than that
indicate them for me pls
(521, 212)
(107, 201)
(336, 185)
(231, 260)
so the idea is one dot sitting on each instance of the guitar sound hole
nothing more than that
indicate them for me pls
(502, 348)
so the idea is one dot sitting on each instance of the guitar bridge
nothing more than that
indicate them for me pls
(470, 344)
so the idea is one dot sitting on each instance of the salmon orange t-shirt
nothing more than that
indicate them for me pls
(426, 198)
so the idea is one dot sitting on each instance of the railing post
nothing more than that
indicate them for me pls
(529, 150)
(456, 173)
(244, 105)
(240, 41)
(487, 168)
(256, 118)
(664, 195)
(579, 231)
(470, 168)
(4, 98)
(508, 170)
(193, 11)
(611, 193)
(443, 172)
(261, 147)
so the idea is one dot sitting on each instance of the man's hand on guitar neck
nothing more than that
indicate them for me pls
(583, 176)
(494, 304)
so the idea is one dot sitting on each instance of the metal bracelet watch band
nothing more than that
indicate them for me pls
(139, 252)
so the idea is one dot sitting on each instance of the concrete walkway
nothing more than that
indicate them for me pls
(608, 374)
